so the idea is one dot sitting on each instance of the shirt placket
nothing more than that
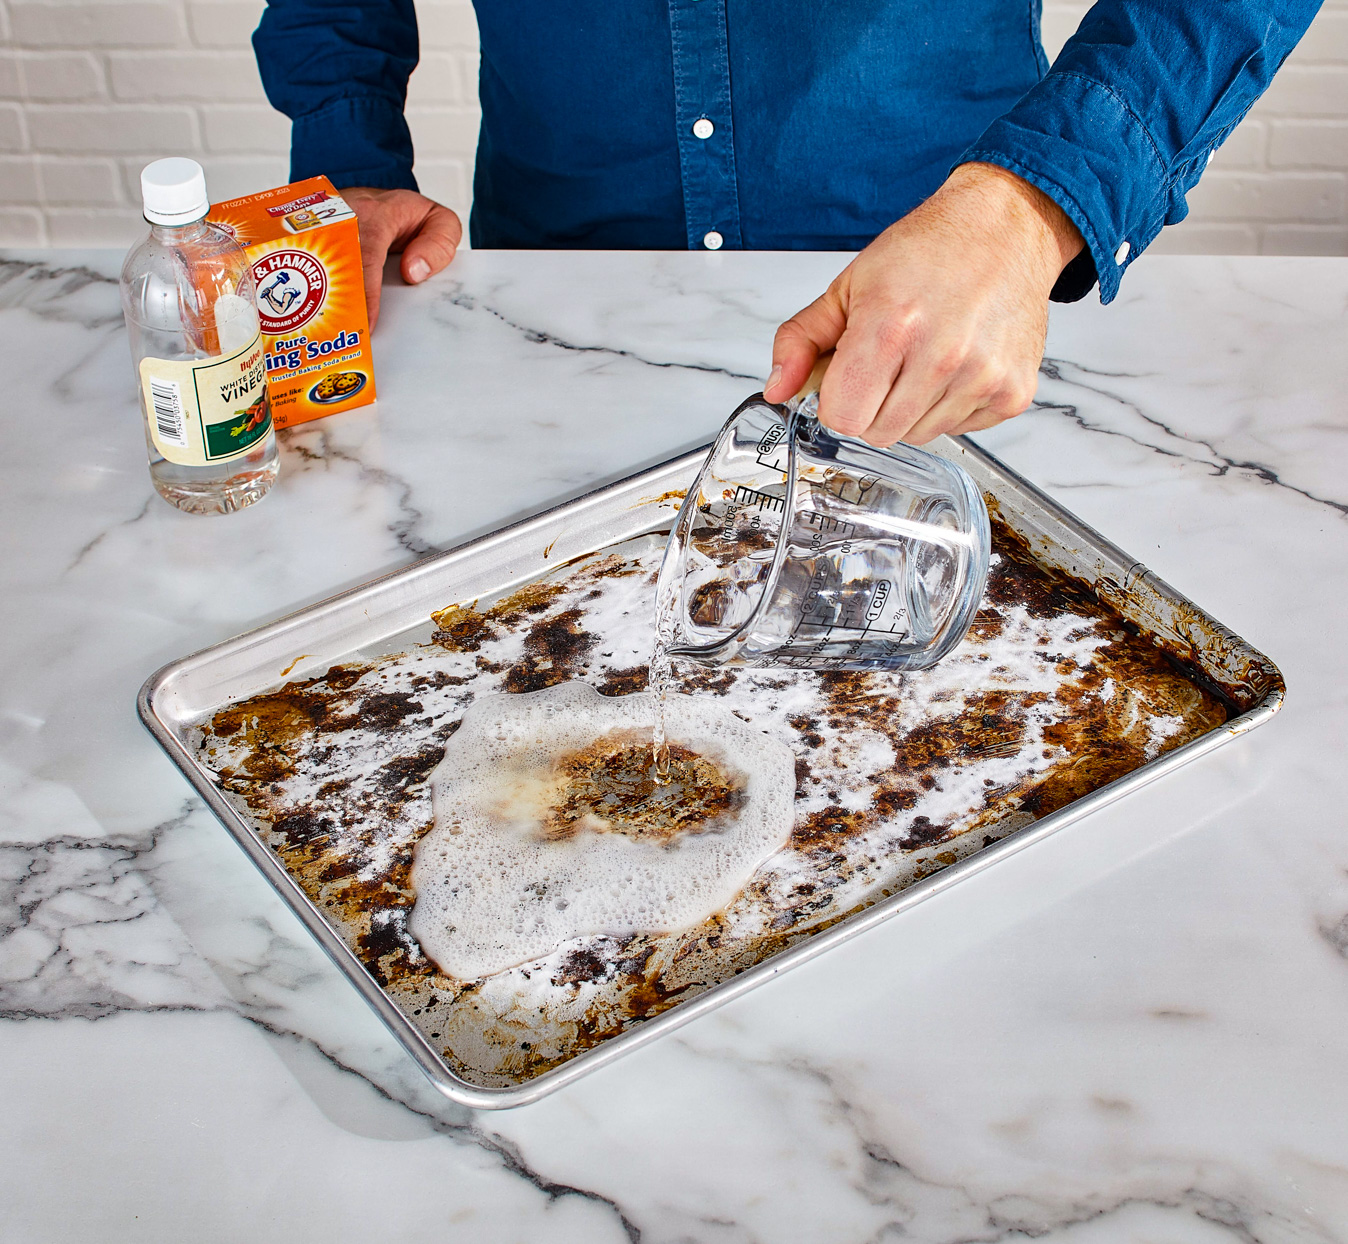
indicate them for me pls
(702, 118)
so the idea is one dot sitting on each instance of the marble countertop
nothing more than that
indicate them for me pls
(1136, 1030)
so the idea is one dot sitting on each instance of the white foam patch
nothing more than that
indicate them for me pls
(493, 892)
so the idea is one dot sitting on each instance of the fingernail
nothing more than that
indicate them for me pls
(418, 270)
(773, 376)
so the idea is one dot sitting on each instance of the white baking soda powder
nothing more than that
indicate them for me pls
(499, 884)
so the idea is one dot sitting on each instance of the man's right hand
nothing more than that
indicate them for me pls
(425, 232)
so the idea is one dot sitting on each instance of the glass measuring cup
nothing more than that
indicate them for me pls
(799, 548)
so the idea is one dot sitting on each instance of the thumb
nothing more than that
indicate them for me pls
(800, 341)
(432, 246)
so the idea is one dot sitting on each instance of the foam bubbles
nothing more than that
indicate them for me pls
(503, 878)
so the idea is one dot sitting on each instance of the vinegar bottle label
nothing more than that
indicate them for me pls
(207, 410)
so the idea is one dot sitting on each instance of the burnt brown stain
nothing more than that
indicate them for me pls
(808, 729)
(991, 723)
(278, 718)
(436, 680)
(624, 681)
(604, 959)
(305, 828)
(1094, 738)
(1018, 578)
(651, 996)
(387, 945)
(463, 628)
(591, 567)
(341, 677)
(650, 984)
(611, 786)
(922, 833)
(404, 772)
(673, 494)
(859, 697)
(460, 628)
(555, 649)
(746, 538)
(374, 908)
(707, 604)
(830, 827)
(987, 624)
(527, 601)
(582, 965)
(891, 801)
(269, 727)
(317, 844)
(611, 567)
(699, 678)
(386, 709)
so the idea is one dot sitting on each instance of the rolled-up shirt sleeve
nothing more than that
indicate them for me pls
(339, 71)
(1122, 126)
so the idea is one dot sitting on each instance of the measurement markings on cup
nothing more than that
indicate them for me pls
(826, 523)
(749, 497)
(769, 447)
(898, 628)
(878, 598)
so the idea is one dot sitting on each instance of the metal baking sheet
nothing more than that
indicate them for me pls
(383, 614)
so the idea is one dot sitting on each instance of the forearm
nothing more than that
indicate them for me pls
(340, 72)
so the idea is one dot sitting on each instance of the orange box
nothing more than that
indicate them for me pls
(304, 245)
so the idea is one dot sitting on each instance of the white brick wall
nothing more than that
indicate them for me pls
(91, 90)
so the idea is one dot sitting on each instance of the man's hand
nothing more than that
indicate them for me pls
(401, 220)
(939, 323)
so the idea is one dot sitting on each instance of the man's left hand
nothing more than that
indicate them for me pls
(939, 324)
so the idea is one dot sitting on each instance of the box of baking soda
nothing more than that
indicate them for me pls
(304, 245)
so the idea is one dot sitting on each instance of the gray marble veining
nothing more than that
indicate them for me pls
(1134, 1031)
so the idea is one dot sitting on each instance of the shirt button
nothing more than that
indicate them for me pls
(713, 241)
(703, 128)
(1122, 253)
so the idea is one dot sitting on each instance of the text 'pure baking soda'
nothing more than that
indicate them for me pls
(550, 825)
(192, 321)
(304, 245)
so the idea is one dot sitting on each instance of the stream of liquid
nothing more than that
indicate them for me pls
(660, 675)
(660, 672)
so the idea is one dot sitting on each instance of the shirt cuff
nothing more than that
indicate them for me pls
(361, 140)
(1079, 142)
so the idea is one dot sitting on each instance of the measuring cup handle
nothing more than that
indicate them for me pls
(816, 378)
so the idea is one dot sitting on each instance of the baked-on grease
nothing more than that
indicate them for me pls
(1051, 696)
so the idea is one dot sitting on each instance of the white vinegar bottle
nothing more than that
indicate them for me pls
(196, 344)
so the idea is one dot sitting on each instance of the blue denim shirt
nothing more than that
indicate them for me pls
(788, 124)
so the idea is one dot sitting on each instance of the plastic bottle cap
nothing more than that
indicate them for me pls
(174, 191)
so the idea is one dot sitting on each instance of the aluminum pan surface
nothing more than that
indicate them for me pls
(182, 692)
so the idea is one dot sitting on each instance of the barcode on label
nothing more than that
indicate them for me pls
(168, 412)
